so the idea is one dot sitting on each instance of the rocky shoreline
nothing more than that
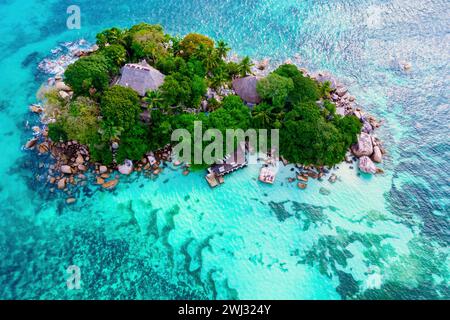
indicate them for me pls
(369, 148)
(72, 166)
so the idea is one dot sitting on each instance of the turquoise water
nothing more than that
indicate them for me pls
(174, 237)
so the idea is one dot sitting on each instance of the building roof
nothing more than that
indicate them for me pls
(231, 163)
(141, 77)
(246, 89)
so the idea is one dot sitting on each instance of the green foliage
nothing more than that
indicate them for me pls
(155, 100)
(309, 133)
(245, 67)
(350, 127)
(113, 36)
(305, 89)
(134, 143)
(263, 116)
(81, 122)
(303, 134)
(194, 42)
(120, 106)
(331, 107)
(213, 104)
(86, 73)
(233, 69)
(179, 89)
(275, 88)
(170, 64)
(233, 115)
(325, 89)
(115, 56)
(307, 138)
(176, 89)
(100, 150)
(222, 49)
(57, 131)
(148, 42)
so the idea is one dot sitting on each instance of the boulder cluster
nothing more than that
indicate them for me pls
(369, 148)
(73, 167)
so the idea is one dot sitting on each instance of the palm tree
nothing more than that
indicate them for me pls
(110, 132)
(211, 59)
(111, 36)
(219, 79)
(262, 116)
(245, 67)
(154, 100)
(222, 49)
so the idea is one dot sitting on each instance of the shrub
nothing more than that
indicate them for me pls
(305, 89)
(134, 143)
(57, 132)
(148, 41)
(111, 36)
(193, 42)
(179, 89)
(120, 106)
(275, 88)
(81, 123)
(100, 150)
(115, 56)
(86, 73)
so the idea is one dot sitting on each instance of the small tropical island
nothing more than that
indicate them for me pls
(116, 106)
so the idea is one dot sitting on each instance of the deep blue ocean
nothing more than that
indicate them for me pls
(385, 236)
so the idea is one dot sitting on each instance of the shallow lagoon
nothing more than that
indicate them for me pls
(175, 237)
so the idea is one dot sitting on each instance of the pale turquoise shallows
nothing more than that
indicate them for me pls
(174, 237)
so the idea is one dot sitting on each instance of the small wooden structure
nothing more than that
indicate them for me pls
(229, 164)
(267, 175)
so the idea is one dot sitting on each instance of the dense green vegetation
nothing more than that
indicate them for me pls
(100, 114)
(310, 131)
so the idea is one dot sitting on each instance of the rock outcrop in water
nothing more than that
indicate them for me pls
(366, 165)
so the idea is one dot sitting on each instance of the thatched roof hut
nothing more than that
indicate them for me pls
(246, 89)
(141, 77)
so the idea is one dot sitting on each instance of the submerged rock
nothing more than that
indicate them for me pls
(62, 184)
(332, 178)
(43, 147)
(31, 143)
(324, 192)
(71, 200)
(366, 165)
(302, 185)
(110, 184)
